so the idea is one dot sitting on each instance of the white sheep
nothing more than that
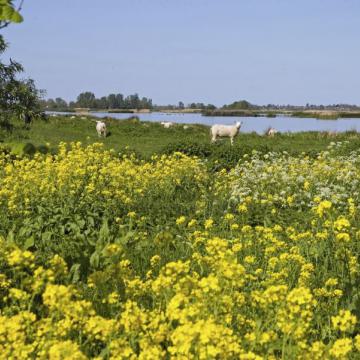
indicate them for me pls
(271, 131)
(167, 124)
(185, 127)
(225, 131)
(101, 128)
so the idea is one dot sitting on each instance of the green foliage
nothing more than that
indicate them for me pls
(239, 105)
(189, 148)
(29, 149)
(8, 13)
(18, 98)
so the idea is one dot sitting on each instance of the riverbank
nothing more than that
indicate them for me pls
(315, 114)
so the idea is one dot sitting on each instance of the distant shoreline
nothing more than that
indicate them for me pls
(316, 114)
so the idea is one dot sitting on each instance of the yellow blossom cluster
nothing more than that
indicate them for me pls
(108, 257)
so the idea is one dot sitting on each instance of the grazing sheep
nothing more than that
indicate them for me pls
(167, 124)
(225, 131)
(331, 133)
(101, 128)
(185, 127)
(270, 132)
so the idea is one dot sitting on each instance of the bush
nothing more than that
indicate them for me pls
(43, 149)
(189, 148)
(29, 149)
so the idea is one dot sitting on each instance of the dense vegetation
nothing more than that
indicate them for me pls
(108, 255)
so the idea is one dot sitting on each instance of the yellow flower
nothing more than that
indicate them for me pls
(323, 205)
(357, 342)
(242, 208)
(341, 223)
(234, 226)
(131, 214)
(343, 237)
(229, 217)
(345, 321)
(208, 223)
(65, 350)
(192, 223)
(180, 220)
(341, 348)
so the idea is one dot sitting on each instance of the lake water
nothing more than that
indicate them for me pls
(250, 124)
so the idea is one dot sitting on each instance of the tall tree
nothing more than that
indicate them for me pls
(112, 101)
(86, 100)
(61, 103)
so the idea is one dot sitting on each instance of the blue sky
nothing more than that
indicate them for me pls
(212, 51)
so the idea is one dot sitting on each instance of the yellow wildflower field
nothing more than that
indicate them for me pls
(113, 257)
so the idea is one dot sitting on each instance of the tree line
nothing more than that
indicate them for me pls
(88, 99)
(117, 101)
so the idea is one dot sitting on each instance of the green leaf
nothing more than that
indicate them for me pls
(125, 239)
(46, 236)
(7, 12)
(91, 221)
(24, 231)
(95, 259)
(10, 237)
(29, 243)
(81, 223)
(104, 231)
(16, 17)
(75, 273)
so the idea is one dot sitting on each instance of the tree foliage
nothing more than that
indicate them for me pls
(88, 99)
(240, 105)
(9, 13)
(17, 97)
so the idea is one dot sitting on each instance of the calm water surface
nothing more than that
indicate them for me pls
(257, 124)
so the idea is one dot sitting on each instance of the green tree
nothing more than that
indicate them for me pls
(61, 103)
(17, 97)
(86, 100)
(120, 101)
(112, 101)
(240, 105)
(102, 103)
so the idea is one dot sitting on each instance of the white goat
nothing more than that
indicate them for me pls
(101, 128)
(225, 131)
(167, 124)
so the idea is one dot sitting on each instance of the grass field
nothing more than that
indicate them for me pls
(147, 138)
